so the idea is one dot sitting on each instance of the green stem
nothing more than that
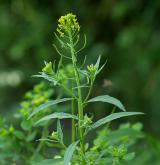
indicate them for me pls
(44, 134)
(113, 110)
(68, 90)
(73, 121)
(59, 64)
(89, 92)
(80, 102)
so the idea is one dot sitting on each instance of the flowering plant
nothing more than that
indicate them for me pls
(68, 36)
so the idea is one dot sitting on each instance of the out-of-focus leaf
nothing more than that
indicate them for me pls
(19, 135)
(69, 152)
(48, 162)
(129, 156)
(60, 133)
(26, 125)
(31, 136)
(48, 104)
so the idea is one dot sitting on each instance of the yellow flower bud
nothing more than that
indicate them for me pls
(67, 23)
(48, 68)
(54, 135)
(92, 69)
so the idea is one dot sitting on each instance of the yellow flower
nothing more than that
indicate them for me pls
(67, 23)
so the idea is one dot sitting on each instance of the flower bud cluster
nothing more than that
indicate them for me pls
(48, 69)
(92, 69)
(67, 23)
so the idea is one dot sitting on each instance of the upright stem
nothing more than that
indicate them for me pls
(73, 121)
(89, 92)
(44, 134)
(113, 110)
(80, 102)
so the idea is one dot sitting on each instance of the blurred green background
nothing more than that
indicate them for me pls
(127, 33)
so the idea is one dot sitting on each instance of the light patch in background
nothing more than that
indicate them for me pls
(11, 79)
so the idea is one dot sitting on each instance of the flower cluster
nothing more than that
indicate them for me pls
(68, 23)
(92, 69)
(39, 95)
(48, 69)
(87, 121)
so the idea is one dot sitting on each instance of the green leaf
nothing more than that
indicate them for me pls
(48, 162)
(58, 115)
(50, 78)
(26, 125)
(31, 136)
(69, 152)
(112, 117)
(99, 157)
(98, 61)
(108, 99)
(99, 69)
(98, 65)
(20, 135)
(129, 156)
(48, 104)
(60, 133)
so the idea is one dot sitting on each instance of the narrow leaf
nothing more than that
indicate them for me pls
(48, 162)
(48, 104)
(101, 67)
(99, 157)
(60, 132)
(60, 41)
(57, 115)
(108, 99)
(69, 152)
(47, 77)
(112, 117)
(98, 61)
(129, 156)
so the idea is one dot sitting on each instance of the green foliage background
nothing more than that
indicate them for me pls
(125, 32)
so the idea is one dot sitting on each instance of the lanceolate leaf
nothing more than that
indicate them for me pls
(48, 104)
(48, 162)
(108, 99)
(47, 77)
(98, 61)
(60, 132)
(57, 115)
(69, 152)
(112, 117)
